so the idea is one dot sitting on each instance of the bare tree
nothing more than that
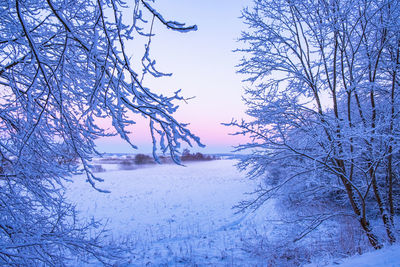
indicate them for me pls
(64, 67)
(324, 98)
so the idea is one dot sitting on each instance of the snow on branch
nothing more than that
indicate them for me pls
(173, 25)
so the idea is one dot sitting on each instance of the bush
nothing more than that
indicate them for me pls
(98, 168)
(127, 164)
(141, 159)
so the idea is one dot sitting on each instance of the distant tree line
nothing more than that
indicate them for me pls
(143, 159)
(187, 156)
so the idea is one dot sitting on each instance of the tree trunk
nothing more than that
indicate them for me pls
(382, 209)
(361, 215)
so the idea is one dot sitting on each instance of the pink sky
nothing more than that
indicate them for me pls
(202, 64)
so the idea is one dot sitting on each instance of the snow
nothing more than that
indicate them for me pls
(173, 214)
(386, 257)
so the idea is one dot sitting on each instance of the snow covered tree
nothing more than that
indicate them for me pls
(324, 98)
(64, 68)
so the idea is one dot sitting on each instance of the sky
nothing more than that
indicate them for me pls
(203, 66)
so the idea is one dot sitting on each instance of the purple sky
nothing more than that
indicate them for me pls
(202, 64)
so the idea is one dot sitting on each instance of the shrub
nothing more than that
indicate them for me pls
(98, 168)
(141, 159)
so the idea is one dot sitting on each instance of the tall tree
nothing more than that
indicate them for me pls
(64, 66)
(324, 99)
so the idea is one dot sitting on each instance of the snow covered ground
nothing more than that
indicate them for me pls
(386, 257)
(171, 215)
(176, 215)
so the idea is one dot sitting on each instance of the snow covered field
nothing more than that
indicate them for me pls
(176, 215)
(171, 215)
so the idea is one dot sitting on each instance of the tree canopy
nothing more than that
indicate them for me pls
(323, 95)
(65, 66)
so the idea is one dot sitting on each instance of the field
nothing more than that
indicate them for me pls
(170, 215)
(175, 215)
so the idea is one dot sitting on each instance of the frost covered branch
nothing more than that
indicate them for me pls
(324, 98)
(65, 67)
